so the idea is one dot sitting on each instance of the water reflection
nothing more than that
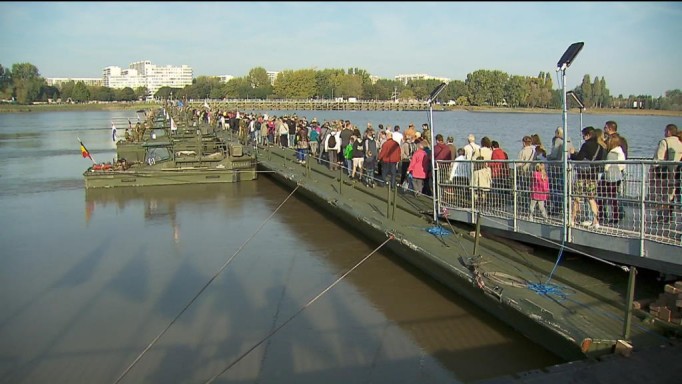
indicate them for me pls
(385, 321)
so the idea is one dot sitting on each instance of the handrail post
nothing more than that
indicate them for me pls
(515, 194)
(642, 207)
(388, 200)
(478, 232)
(472, 195)
(395, 202)
(630, 294)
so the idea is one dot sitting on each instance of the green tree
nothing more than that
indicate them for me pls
(455, 90)
(672, 100)
(349, 86)
(422, 89)
(486, 87)
(66, 90)
(260, 84)
(516, 91)
(80, 93)
(238, 88)
(326, 84)
(125, 94)
(295, 84)
(596, 92)
(27, 82)
(141, 93)
(381, 90)
(477, 83)
(605, 98)
(164, 93)
(5, 83)
(258, 77)
(218, 91)
(586, 92)
(102, 93)
(48, 93)
(406, 94)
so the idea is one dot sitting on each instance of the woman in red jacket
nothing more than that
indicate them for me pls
(418, 170)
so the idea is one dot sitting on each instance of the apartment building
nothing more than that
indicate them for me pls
(146, 74)
(57, 81)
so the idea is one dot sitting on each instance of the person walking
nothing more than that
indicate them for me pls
(113, 131)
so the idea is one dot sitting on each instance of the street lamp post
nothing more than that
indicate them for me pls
(564, 62)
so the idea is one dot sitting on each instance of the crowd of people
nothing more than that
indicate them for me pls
(389, 155)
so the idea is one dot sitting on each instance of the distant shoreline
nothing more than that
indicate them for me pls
(592, 111)
(13, 108)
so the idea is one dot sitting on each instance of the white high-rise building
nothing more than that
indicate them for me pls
(115, 77)
(419, 76)
(146, 74)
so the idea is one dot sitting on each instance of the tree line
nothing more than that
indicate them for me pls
(24, 85)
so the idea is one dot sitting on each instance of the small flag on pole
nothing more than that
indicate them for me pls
(84, 151)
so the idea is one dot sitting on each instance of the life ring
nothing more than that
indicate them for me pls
(101, 167)
(151, 161)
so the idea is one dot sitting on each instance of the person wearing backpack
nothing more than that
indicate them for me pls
(357, 159)
(332, 147)
(370, 163)
(323, 136)
(407, 149)
(314, 138)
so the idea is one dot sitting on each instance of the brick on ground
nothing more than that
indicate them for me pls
(664, 314)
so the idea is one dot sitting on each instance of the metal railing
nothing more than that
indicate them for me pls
(637, 199)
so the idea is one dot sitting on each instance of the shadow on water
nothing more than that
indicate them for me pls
(411, 330)
(405, 296)
(132, 282)
(82, 272)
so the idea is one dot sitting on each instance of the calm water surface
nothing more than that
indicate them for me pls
(89, 280)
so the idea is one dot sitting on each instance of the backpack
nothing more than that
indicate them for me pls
(370, 148)
(332, 141)
(412, 148)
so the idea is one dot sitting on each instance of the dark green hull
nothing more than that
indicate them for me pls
(232, 171)
(182, 164)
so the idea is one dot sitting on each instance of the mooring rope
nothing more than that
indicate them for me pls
(222, 268)
(272, 333)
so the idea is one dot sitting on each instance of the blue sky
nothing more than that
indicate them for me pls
(634, 46)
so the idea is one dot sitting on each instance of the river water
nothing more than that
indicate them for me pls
(183, 284)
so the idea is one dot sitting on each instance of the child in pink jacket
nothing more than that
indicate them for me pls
(540, 190)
